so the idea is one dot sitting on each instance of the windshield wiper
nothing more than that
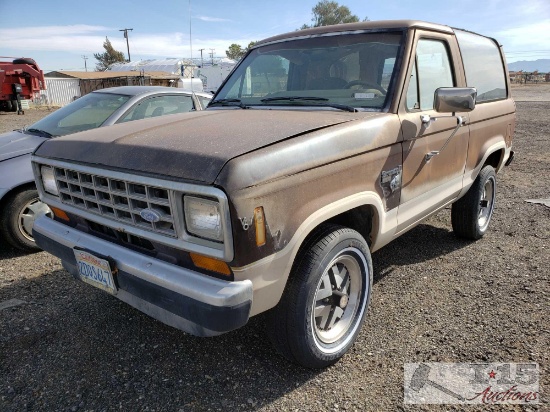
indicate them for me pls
(313, 99)
(228, 102)
(40, 132)
(339, 106)
(295, 98)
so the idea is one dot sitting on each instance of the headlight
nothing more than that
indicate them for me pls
(48, 180)
(203, 217)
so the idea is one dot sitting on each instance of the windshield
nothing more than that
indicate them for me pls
(88, 112)
(342, 71)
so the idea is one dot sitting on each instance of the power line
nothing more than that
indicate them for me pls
(85, 65)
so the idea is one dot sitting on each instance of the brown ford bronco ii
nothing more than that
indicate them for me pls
(321, 147)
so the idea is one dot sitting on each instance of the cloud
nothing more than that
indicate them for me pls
(48, 31)
(75, 38)
(210, 19)
(89, 39)
(532, 36)
(526, 42)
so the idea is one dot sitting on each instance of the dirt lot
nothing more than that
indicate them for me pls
(436, 299)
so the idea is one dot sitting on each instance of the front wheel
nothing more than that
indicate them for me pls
(326, 298)
(17, 217)
(471, 214)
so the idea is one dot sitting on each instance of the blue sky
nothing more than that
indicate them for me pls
(56, 33)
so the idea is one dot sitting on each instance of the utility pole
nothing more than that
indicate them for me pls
(85, 65)
(202, 64)
(127, 44)
(212, 55)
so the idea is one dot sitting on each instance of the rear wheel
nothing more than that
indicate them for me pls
(471, 214)
(20, 211)
(325, 301)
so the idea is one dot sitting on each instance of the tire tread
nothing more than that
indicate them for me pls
(464, 212)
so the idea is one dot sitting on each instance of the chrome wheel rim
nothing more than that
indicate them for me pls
(486, 204)
(32, 210)
(338, 302)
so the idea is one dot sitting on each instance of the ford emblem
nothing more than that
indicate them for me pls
(150, 215)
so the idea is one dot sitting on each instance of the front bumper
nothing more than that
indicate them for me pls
(179, 297)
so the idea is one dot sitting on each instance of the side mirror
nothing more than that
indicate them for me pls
(455, 99)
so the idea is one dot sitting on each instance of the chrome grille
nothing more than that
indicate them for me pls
(116, 199)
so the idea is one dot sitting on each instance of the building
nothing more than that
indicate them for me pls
(211, 71)
(63, 87)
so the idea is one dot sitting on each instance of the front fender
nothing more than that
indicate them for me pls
(270, 274)
(14, 173)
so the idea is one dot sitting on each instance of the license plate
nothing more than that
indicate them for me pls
(95, 271)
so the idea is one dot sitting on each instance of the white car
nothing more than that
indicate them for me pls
(19, 202)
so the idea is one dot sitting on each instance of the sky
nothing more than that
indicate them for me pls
(58, 33)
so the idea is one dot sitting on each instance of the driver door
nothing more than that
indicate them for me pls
(429, 185)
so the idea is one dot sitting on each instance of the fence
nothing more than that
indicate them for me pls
(59, 92)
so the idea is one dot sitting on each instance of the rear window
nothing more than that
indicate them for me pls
(483, 65)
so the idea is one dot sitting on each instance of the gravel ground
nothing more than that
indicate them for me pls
(71, 347)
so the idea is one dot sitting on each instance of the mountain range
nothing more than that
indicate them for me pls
(542, 65)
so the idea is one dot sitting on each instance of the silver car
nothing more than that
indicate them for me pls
(19, 202)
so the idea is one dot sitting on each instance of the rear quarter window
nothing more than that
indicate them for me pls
(483, 66)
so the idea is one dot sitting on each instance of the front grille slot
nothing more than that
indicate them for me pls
(117, 199)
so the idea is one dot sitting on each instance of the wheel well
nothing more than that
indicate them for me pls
(14, 190)
(363, 219)
(494, 159)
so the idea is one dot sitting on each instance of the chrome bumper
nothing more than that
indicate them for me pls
(190, 301)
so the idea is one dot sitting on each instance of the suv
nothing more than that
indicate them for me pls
(322, 146)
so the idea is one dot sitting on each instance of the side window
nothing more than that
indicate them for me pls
(159, 106)
(266, 74)
(387, 71)
(483, 66)
(204, 101)
(431, 70)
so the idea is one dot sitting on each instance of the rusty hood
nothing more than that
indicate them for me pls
(193, 146)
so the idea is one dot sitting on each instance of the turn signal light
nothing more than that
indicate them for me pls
(259, 222)
(60, 213)
(211, 264)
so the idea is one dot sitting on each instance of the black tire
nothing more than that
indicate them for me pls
(471, 214)
(24, 60)
(17, 216)
(322, 309)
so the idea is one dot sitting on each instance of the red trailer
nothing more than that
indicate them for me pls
(20, 78)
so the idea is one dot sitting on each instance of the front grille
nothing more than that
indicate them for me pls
(115, 199)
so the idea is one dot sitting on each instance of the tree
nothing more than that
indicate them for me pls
(110, 57)
(236, 52)
(327, 12)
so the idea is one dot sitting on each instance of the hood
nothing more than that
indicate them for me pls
(193, 146)
(17, 143)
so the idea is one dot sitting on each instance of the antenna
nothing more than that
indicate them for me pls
(190, 36)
